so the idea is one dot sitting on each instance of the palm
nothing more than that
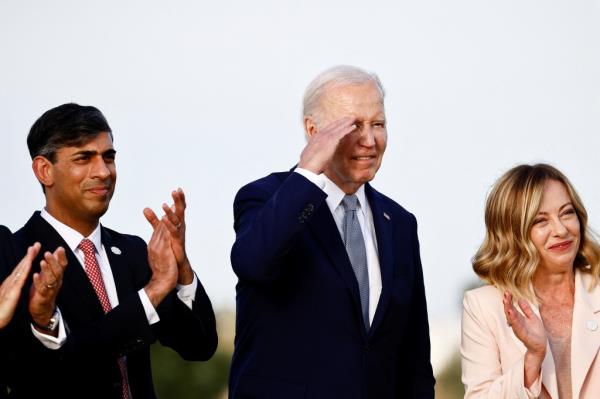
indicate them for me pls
(527, 326)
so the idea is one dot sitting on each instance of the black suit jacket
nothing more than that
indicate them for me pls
(7, 263)
(86, 366)
(299, 329)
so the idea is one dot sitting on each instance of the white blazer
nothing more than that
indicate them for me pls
(493, 357)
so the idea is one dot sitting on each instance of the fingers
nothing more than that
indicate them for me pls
(175, 214)
(39, 285)
(171, 218)
(339, 128)
(57, 262)
(512, 316)
(19, 274)
(179, 201)
(158, 239)
(151, 217)
(527, 311)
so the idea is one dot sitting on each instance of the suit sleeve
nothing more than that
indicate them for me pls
(192, 333)
(6, 265)
(125, 329)
(482, 372)
(418, 335)
(267, 219)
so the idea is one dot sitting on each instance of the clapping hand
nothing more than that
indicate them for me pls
(46, 285)
(528, 327)
(11, 287)
(174, 221)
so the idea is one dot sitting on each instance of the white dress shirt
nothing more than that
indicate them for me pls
(186, 293)
(365, 218)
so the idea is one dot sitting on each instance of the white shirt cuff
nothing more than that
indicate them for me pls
(151, 313)
(49, 341)
(187, 293)
(316, 179)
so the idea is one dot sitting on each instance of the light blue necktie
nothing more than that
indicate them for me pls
(355, 247)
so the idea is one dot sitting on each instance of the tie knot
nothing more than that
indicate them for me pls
(350, 202)
(87, 246)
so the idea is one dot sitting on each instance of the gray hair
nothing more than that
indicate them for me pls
(336, 76)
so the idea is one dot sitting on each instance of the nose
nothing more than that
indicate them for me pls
(558, 228)
(100, 169)
(366, 135)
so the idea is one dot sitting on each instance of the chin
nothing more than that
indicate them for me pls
(363, 178)
(99, 211)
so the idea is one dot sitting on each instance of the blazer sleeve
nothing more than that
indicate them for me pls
(191, 333)
(125, 329)
(418, 335)
(482, 371)
(267, 219)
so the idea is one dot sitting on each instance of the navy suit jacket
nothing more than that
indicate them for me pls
(86, 366)
(299, 329)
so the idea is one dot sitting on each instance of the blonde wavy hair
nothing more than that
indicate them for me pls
(507, 258)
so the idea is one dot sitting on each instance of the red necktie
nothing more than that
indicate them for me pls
(92, 270)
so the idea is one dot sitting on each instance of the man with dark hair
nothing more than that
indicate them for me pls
(92, 335)
(330, 298)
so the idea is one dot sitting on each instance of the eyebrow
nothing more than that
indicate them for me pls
(88, 153)
(559, 209)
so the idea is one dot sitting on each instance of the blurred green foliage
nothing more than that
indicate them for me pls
(175, 378)
(448, 384)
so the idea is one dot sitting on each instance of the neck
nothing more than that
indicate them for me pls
(347, 187)
(84, 227)
(554, 286)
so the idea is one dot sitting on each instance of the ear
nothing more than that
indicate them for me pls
(43, 170)
(310, 126)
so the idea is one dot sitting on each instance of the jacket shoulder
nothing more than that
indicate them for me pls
(5, 233)
(268, 183)
(486, 294)
(125, 240)
(485, 303)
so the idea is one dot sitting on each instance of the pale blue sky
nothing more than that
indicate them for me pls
(206, 95)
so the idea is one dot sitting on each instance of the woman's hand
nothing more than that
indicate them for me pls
(528, 327)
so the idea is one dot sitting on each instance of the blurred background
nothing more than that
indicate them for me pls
(206, 96)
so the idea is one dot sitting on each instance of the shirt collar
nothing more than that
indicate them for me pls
(335, 195)
(71, 236)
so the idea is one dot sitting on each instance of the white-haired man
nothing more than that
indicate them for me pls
(330, 298)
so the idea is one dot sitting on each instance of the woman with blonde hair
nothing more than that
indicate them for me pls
(534, 329)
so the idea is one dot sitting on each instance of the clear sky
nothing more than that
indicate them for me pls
(206, 96)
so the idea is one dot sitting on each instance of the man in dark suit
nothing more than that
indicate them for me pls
(93, 321)
(330, 297)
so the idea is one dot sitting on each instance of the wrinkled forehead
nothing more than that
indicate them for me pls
(362, 100)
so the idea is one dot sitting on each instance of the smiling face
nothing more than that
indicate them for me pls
(556, 230)
(80, 183)
(359, 154)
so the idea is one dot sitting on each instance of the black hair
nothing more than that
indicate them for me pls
(66, 125)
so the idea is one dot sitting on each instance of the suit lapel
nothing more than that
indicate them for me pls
(117, 258)
(385, 248)
(325, 230)
(585, 336)
(76, 285)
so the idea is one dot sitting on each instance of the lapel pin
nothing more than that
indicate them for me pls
(592, 325)
(385, 215)
(115, 250)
